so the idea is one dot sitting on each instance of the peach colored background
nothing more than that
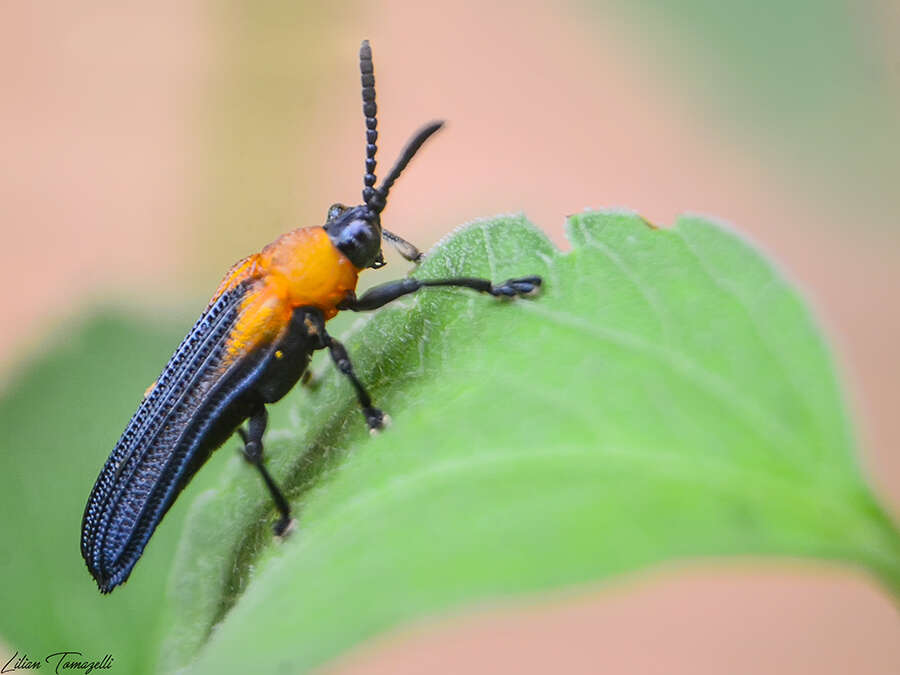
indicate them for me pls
(148, 145)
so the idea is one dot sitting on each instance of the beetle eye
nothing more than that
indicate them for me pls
(334, 211)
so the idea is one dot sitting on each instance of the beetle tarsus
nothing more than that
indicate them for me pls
(517, 287)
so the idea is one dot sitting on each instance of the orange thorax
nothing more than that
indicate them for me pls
(301, 268)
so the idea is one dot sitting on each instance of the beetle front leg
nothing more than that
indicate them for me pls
(379, 296)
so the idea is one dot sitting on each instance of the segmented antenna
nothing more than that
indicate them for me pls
(408, 152)
(370, 111)
(376, 198)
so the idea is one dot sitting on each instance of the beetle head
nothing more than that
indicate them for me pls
(357, 231)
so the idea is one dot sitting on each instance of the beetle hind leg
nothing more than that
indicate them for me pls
(253, 453)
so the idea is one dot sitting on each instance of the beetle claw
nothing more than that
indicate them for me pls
(376, 419)
(284, 527)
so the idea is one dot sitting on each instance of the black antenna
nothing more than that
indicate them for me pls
(376, 198)
(370, 110)
(411, 149)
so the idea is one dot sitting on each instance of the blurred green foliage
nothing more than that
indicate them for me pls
(59, 422)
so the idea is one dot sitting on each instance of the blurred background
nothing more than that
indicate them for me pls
(149, 145)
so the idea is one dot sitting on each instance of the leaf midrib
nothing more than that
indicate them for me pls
(700, 471)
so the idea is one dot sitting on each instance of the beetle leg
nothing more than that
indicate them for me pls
(375, 418)
(379, 296)
(309, 380)
(253, 453)
(403, 247)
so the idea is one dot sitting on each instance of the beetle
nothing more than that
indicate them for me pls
(249, 348)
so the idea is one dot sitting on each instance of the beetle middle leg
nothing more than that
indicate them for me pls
(253, 453)
(375, 418)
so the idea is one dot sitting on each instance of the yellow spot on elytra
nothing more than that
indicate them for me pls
(279, 354)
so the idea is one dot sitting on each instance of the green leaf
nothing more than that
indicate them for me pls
(668, 396)
(60, 419)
